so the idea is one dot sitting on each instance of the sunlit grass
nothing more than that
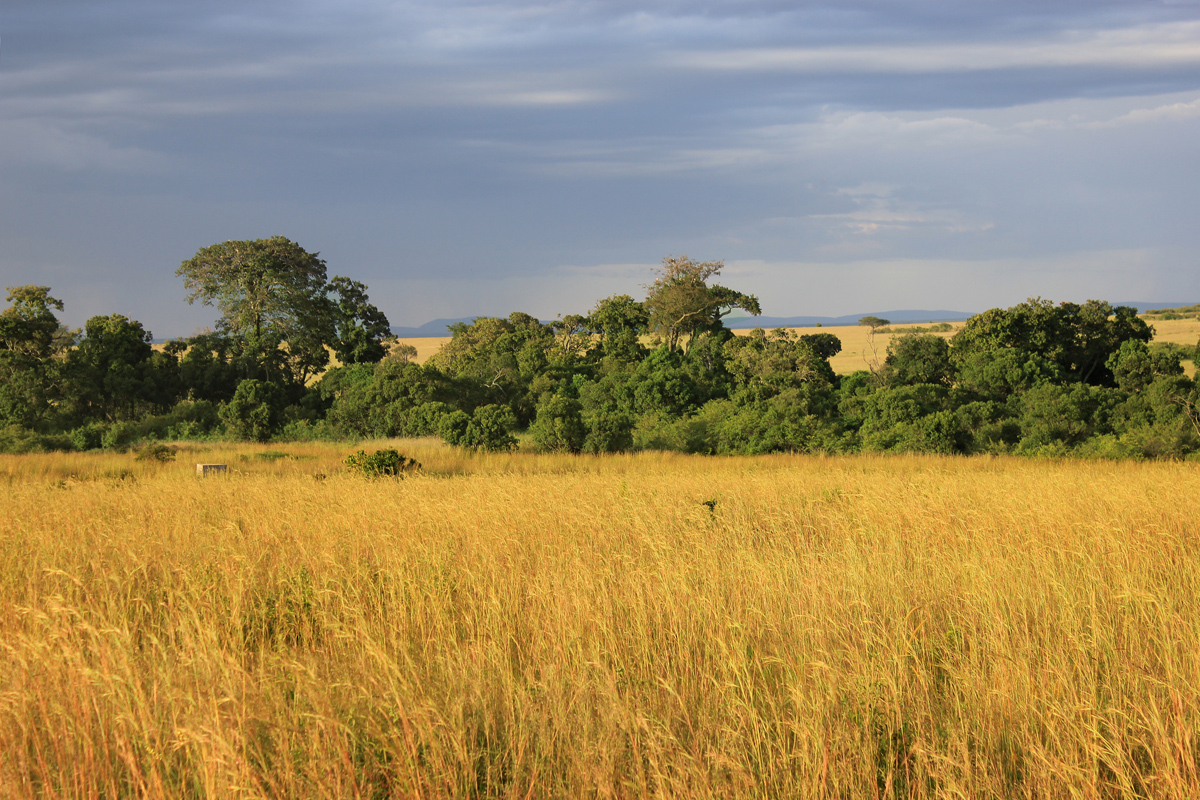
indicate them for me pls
(518, 625)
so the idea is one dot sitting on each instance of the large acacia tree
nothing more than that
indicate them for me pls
(272, 298)
(681, 304)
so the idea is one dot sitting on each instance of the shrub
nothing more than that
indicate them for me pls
(88, 437)
(559, 425)
(607, 431)
(255, 411)
(15, 439)
(119, 436)
(489, 428)
(387, 462)
(157, 451)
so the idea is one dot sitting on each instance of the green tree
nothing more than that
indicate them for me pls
(914, 358)
(559, 426)
(1134, 366)
(380, 400)
(488, 429)
(497, 361)
(255, 412)
(28, 326)
(1097, 330)
(208, 365)
(681, 304)
(873, 324)
(112, 369)
(1005, 373)
(271, 293)
(765, 364)
(32, 345)
(620, 320)
(1079, 339)
(361, 329)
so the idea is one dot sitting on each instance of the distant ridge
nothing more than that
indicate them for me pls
(737, 323)
(1142, 306)
(438, 327)
(441, 327)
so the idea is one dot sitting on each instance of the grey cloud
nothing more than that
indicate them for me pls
(453, 140)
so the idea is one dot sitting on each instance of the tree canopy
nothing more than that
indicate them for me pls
(680, 304)
(269, 292)
(1037, 378)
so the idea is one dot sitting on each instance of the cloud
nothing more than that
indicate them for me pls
(1162, 45)
(490, 140)
(847, 287)
(31, 143)
(1165, 113)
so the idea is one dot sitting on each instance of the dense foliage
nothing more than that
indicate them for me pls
(664, 373)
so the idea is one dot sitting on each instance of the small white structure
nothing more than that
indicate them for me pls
(203, 470)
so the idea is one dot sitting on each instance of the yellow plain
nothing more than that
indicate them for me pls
(547, 626)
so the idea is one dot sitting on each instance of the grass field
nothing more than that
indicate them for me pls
(623, 626)
(856, 352)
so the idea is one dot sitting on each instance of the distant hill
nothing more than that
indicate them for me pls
(438, 327)
(441, 327)
(769, 323)
(1144, 307)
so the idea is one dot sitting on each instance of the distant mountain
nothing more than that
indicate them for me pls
(1143, 306)
(850, 319)
(441, 327)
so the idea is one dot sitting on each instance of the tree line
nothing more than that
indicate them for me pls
(297, 355)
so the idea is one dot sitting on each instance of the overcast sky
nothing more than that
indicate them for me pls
(466, 158)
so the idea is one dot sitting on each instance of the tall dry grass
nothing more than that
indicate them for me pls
(650, 625)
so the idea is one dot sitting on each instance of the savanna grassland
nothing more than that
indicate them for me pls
(519, 625)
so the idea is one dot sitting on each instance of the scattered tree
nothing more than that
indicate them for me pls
(361, 330)
(271, 293)
(680, 304)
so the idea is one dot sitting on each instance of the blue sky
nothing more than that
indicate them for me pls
(467, 158)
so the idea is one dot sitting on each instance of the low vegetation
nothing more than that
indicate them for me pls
(663, 373)
(523, 625)
(1182, 312)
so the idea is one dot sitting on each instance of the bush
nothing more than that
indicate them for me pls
(302, 430)
(488, 429)
(559, 425)
(119, 436)
(381, 463)
(156, 451)
(15, 439)
(88, 437)
(607, 432)
(255, 412)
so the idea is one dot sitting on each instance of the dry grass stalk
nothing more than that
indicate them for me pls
(537, 626)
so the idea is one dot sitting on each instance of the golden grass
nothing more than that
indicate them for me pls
(622, 626)
(855, 354)
(856, 351)
(426, 346)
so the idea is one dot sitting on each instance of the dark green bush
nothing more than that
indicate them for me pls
(381, 463)
(559, 425)
(157, 451)
(88, 437)
(255, 411)
(489, 428)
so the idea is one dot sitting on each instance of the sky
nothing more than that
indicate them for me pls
(467, 158)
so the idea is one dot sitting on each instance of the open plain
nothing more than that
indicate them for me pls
(518, 625)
